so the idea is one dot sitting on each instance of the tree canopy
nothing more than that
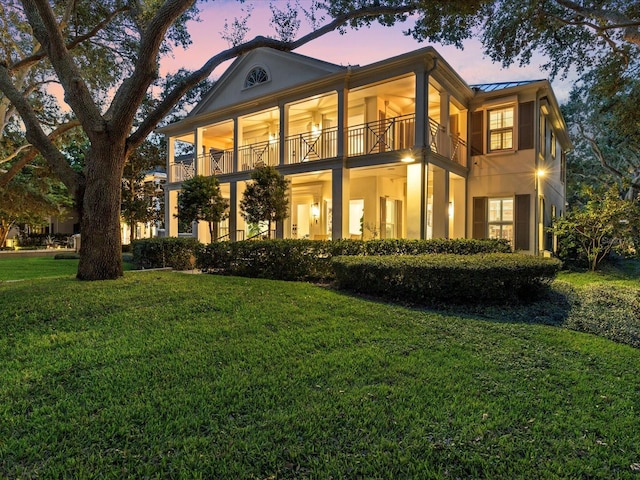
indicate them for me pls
(201, 200)
(265, 197)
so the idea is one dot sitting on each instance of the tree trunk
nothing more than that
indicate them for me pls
(101, 249)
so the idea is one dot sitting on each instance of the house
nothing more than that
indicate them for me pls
(401, 148)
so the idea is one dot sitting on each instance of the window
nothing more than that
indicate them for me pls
(500, 218)
(501, 129)
(255, 77)
(553, 146)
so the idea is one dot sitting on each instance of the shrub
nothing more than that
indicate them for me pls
(177, 253)
(447, 278)
(66, 256)
(310, 259)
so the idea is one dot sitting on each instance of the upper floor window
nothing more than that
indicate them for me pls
(256, 76)
(501, 128)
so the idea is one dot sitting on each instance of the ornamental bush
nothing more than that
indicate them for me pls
(288, 259)
(177, 253)
(445, 278)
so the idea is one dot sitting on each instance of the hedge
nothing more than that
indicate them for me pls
(288, 259)
(177, 253)
(445, 278)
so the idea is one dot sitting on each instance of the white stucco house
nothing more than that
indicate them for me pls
(401, 148)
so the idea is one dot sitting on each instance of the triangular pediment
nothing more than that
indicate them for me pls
(245, 79)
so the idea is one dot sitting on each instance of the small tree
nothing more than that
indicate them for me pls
(603, 223)
(201, 200)
(265, 198)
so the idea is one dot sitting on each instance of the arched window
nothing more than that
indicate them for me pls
(255, 77)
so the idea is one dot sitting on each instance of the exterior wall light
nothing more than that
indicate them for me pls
(407, 159)
(315, 212)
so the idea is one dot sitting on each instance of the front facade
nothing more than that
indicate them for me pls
(401, 148)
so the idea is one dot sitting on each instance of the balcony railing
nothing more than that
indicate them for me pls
(181, 171)
(392, 134)
(381, 136)
(216, 162)
(258, 155)
(308, 146)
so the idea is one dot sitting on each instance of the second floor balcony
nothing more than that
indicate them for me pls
(371, 138)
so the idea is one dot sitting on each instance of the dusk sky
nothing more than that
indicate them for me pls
(356, 47)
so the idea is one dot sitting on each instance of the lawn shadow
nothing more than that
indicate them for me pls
(551, 307)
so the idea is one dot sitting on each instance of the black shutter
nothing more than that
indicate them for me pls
(523, 209)
(477, 133)
(479, 217)
(525, 125)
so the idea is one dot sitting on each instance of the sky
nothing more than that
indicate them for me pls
(355, 47)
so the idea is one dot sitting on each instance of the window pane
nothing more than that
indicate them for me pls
(507, 210)
(494, 210)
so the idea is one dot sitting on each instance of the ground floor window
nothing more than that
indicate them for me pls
(500, 218)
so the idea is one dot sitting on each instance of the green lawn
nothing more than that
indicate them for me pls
(14, 267)
(624, 273)
(166, 375)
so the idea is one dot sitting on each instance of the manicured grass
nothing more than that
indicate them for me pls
(166, 375)
(13, 267)
(622, 272)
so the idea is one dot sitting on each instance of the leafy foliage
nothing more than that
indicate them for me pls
(176, 253)
(265, 197)
(596, 228)
(140, 202)
(201, 200)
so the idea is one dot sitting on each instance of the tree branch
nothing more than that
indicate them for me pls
(132, 91)
(170, 100)
(36, 136)
(40, 54)
(77, 94)
(615, 20)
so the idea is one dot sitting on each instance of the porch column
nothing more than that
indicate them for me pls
(236, 143)
(444, 141)
(422, 114)
(340, 193)
(341, 150)
(282, 133)
(171, 209)
(415, 200)
(198, 153)
(233, 210)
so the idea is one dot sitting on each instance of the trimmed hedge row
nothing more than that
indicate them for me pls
(177, 253)
(300, 260)
(445, 279)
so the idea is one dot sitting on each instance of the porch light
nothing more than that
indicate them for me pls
(540, 173)
(315, 211)
(407, 159)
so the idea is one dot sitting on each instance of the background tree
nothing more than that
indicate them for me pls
(265, 197)
(201, 200)
(594, 229)
(31, 198)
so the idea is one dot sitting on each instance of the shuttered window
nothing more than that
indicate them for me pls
(523, 209)
(501, 129)
(479, 217)
(525, 125)
(477, 128)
